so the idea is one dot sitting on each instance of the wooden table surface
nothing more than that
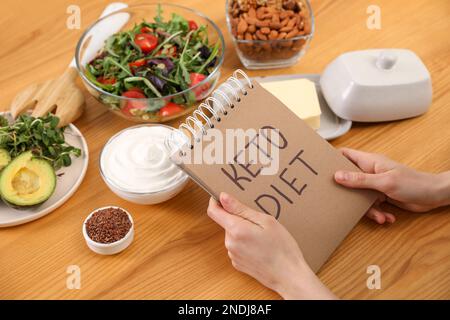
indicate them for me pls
(178, 251)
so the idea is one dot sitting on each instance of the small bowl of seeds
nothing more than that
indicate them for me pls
(108, 230)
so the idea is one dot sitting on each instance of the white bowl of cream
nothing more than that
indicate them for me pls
(135, 165)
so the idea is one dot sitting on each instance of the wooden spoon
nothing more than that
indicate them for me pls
(60, 95)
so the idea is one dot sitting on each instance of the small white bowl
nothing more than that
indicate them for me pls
(144, 198)
(109, 248)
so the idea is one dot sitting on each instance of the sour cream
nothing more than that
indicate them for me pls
(136, 160)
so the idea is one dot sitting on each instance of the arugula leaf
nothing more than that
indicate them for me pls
(147, 83)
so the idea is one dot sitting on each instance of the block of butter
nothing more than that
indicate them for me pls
(300, 96)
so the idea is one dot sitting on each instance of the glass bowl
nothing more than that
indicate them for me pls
(147, 109)
(258, 50)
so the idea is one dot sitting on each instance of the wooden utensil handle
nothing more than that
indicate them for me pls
(70, 74)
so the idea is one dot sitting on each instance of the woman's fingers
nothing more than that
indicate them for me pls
(233, 206)
(220, 216)
(360, 180)
(389, 217)
(364, 160)
(380, 216)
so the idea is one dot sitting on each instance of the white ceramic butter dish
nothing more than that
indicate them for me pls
(377, 85)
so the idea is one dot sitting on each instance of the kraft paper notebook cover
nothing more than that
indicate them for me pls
(318, 213)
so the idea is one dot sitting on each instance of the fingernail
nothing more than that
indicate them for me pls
(390, 218)
(224, 197)
(341, 176)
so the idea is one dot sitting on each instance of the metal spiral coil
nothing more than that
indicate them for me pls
(200, 122)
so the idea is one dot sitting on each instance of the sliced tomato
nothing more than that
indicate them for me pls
(136, 89)
(147, 42)
(146, 30)
(196, 78)
(170, 52)
(137, 63)
(134, 93)
(170, 109)
(192, 25)
(104, 80)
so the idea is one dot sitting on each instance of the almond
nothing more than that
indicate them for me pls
(267, 16)
(286, 44)
(286, 29)
(275, 25)
(284, 22)
(283, 15)
(271, 9)
(289, 13)
(292, 34)
(276, 18)
(251, 28)
(262, 24)
(265, 30)
(267, 47)
(282, 35)
(260, 12)
(242, 26)
(273, 35)
(251, 21)
(260, 35)
(292, 22)
(252, 13)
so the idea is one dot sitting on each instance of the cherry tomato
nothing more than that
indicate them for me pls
(104, 80)
(147, 42)
(134, 93)
(192, 25)
(137, 63)
(196, 78)
(146, 30)
(136, 89)
(170, 109)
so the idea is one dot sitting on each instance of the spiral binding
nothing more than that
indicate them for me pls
(199, 122)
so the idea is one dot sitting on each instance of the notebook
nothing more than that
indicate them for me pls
(299, 190)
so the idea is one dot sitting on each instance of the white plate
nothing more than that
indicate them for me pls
(331, 126)
(68, 181)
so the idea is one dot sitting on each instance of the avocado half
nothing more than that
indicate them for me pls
(5, 159)
(27, 181)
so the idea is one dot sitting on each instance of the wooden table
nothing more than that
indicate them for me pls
(178, 251)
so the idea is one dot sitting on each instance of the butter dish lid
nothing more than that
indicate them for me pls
(384, 67)
(377, 85)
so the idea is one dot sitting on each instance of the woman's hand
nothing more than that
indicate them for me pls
(261, 247)
(401, 186)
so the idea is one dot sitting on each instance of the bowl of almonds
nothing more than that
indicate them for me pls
(270, 33)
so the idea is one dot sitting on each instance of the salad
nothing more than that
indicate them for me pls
(154, 60)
